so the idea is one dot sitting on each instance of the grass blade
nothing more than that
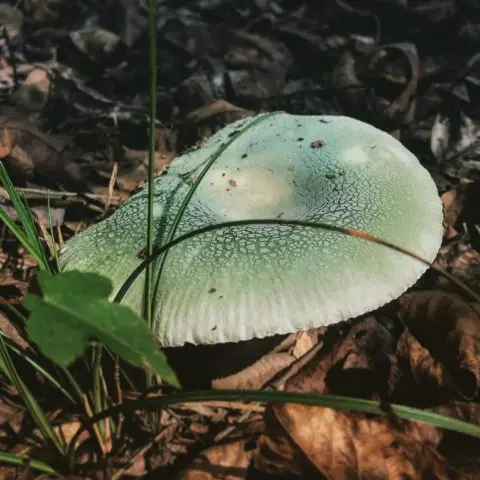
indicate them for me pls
(37, 367)
(27, 235)
(331, 401)
(26, 462)
(293, 223)
(39, 416)
(152, 37)
(194, 187)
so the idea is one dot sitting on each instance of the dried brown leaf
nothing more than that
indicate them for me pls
(257, 375)
(449, 328)
(228, 461)
(453, 203)
(416, 373)
(12, 332)
(355, 363)
(343, 445)
(397, 64)
(31, 150)
(345, 78)
(33, 93)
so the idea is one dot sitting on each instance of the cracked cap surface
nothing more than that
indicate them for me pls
(259, 280)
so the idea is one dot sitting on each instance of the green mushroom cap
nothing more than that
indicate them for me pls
(251, 281)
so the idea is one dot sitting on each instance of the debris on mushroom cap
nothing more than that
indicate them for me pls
(259, 280)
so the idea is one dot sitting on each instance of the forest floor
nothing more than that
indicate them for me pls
(74, 81)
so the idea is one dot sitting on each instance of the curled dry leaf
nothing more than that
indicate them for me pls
(342, 445)
(31, 150)
(34, 91)
(394, 67)
(351, 94)
(12, 332)
(208, 119)
(430, 378)
(450, 328)
(455, 138)
(453, 203)
(11, 18)
(273, 363)
(257, 375)
(355, 363)
(227, 461)
(462, 261)
(97, 43)
(386, 85)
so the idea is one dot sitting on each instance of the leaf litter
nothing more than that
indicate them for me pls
(73, 132)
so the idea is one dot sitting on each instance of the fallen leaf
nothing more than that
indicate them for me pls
(229, 461)
(33, 93)
(449, 328)
(418, 376)
(453, 203)
(355, 362)
(342, 445)
(257, 375)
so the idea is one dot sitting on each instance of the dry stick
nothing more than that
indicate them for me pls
(111, 185)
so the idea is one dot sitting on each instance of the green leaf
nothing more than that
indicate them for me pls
(75, 307)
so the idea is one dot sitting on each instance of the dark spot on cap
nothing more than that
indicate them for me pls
(223, 174)
(221, 296)
(232, 183)
(317, 144)
(322, 120)
(299, 139)
(214, 328)
(245, 155)
(212, 290)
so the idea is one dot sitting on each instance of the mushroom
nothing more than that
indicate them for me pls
(254, 281)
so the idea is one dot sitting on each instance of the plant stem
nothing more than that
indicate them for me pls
(152, 36)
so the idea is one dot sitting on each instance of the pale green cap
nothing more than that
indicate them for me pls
(259, 280)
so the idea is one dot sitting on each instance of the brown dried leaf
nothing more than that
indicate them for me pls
(343, 445)
(455, 137)
(397, 64)
(6, 143)
(12, 332)
(345, 78)
(276, 454)
(257, 375)
(209, 118)
(423, 371)
(31, 149)
(453, 203)
(229, 461)
(356, 364)
(34, 91)
(450, 328)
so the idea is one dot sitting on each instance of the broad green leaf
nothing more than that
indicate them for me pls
(75, 307)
